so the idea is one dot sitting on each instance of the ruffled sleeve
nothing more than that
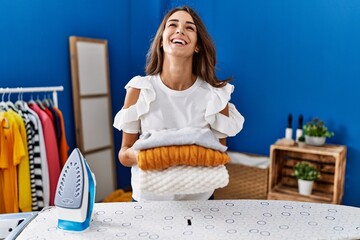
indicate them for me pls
(223, 126)
(128, 119)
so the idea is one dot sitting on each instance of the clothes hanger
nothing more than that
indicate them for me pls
(46, 102)
(3, 105)
(19, 104)
(50, 101)
(25, 105)
(39, 103)
(10, 104)
(3, 108)
(32, 101)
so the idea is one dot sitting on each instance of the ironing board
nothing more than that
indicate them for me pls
(217, 219)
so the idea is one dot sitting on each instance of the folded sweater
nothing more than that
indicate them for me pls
(185, 136)
(192, 155)
(184, 179)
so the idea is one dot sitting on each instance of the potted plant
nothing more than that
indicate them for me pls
(306, 174)
(301, 141)
(316, 132)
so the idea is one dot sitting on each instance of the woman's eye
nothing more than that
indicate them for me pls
(172, 25)
(190, 28)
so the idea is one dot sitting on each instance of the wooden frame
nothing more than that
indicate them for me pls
(92, 109)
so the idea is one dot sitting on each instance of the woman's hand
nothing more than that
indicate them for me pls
(128, 156)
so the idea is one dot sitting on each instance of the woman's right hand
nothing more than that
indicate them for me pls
(128, 156)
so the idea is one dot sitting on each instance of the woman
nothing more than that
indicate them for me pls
(179, 90)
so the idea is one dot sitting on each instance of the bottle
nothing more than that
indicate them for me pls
(288, 130)
(299, 130)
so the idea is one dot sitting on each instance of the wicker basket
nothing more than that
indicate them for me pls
(245, 182)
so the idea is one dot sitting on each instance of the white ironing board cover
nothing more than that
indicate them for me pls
(217, 219)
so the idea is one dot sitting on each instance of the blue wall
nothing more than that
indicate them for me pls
(299, 57)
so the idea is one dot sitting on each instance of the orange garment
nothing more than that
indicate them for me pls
(160, 158)
(119, 195)
(63, 146)
(10, 139)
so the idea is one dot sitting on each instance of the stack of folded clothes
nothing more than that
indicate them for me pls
(181, 161)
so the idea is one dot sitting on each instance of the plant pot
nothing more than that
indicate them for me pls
(305, 187)
(315, 141)
(301, 144)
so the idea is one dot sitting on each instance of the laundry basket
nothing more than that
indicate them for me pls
(248, 177)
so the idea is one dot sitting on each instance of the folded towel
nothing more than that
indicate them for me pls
(184, 179)
(160, 158)
(185, 136)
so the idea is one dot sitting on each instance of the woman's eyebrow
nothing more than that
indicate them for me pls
(177, 20)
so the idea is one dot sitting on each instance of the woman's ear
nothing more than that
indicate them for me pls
(196, 49)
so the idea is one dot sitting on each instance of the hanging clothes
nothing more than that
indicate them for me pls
(42, 182)
(33, 149)
(56, 115)
(30, 135)
(52, 153)
(25, 197)
(56, 122)
(10, 139)
(63, 146)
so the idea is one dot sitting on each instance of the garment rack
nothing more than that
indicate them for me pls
(54, 91)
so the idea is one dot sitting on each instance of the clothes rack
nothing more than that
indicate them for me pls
(31, 180)
(53, 89)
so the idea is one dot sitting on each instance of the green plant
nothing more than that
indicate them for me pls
(301, 138)
(317, 128)
(306, 171)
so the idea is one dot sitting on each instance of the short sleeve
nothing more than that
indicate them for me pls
(128, 119)
(223, 126)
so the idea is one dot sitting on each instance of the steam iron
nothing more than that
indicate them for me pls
(75, 194)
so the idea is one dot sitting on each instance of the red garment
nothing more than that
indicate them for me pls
(52, 151)
(48, 112)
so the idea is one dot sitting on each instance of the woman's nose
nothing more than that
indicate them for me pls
(179, 30)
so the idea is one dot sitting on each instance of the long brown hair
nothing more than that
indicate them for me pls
(203, 62)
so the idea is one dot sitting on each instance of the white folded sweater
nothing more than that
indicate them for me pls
(184, 179)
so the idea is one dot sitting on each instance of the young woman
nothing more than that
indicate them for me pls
(180, 90)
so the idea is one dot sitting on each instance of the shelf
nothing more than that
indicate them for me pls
(327, 149)
(330, 160)
(291, 193)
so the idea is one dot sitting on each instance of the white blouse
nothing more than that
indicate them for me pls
(160, 107)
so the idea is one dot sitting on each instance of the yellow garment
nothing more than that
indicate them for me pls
(10, 140)
(25, 198)
(160, 158)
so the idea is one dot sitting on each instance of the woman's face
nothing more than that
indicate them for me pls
(179, 37)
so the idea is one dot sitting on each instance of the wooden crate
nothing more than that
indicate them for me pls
(329, 159)
(245, 182)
